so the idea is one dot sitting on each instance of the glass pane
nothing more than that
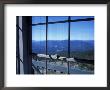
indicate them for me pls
(57, 39)
(80, 17)
(82, 44)
(57, 18)
(38, 19)
(57, 47)
(39, 39)
(82, 40)
(39, 46)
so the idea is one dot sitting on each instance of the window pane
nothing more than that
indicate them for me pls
(38, 39)
(39, 45)
(57, 39)
(57, 18)
(38, 19)
(82, 40)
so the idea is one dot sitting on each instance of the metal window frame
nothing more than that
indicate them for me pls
(17, 47)
(69, 29)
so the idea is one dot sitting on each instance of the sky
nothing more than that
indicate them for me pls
(78, 30)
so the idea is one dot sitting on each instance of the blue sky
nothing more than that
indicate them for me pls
(79, 30)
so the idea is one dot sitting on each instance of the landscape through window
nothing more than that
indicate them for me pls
(63, 44)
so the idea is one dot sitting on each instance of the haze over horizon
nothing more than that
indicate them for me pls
(63, 40)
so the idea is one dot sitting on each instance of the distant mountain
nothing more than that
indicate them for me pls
(75, 45)
(78, 45)
(38, 46)
(78, 48)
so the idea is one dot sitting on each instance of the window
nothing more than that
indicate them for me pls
(58, 39)
(82, 42)
(60, 45)
(39, 39)
(82, 39)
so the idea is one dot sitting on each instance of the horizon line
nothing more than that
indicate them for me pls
(64, 40)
